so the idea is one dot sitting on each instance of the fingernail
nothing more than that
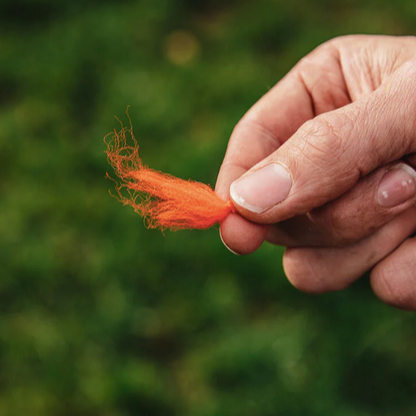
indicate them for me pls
(262, 189)
(397, 186)
(226, 246)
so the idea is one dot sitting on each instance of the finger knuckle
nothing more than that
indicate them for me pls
(330, 47)
(342, 40)
(332, 134)
(334, 224)
(325, 140)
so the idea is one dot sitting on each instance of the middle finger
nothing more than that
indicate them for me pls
(373, 202)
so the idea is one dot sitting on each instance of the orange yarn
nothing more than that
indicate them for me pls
(163, 200)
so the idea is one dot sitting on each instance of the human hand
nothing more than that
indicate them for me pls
(335, 138)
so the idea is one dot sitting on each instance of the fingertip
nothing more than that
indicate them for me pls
(240, 236)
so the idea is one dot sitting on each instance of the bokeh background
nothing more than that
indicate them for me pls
(100, 316)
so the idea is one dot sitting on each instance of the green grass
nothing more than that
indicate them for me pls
(99, 316)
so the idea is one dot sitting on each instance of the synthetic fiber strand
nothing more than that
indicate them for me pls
(163, 200)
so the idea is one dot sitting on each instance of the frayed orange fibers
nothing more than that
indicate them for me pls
(164, 201)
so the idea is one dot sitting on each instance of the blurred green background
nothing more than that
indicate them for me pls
(100, 316)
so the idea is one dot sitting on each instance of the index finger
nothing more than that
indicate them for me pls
(268, 124)
(260, 132)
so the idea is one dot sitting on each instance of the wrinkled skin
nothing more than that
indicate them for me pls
(338, 121)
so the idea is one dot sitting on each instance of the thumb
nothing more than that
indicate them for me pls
(328, 154)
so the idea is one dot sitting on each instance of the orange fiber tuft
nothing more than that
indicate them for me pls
(164, 201)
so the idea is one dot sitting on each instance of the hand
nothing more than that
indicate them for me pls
(325, 159)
